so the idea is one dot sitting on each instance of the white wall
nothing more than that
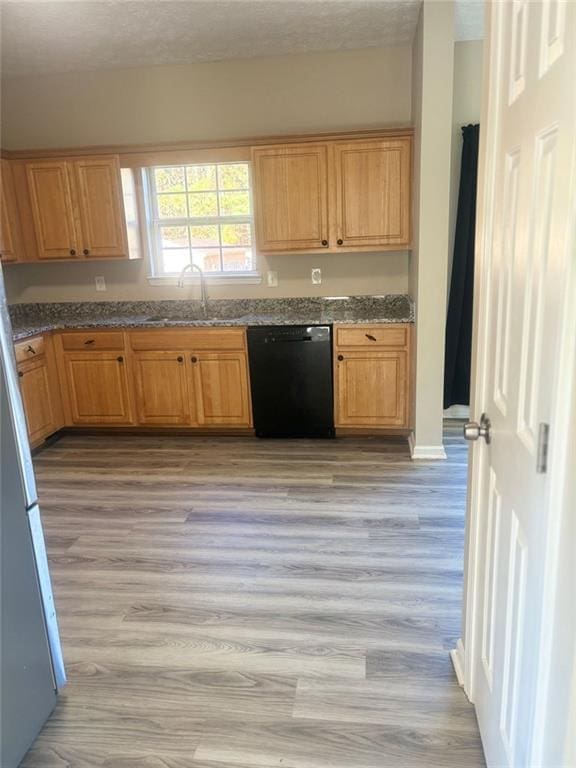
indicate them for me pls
(303, 93)
(342, 275)
(433, 61)
(228, 99)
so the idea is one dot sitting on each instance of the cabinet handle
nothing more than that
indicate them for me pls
(194, 359)
(31, 349)
(369, 336)
(340, 241)
(340, 357)
(180, 359)
(89, 341)
(72, 252)
(20, 374)
(120, 359)
(85, 251)
(324, 243)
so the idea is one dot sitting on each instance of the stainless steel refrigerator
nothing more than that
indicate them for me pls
(32, 670)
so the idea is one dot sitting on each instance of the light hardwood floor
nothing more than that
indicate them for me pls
(229, 602)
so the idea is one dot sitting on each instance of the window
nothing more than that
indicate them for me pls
(201, 214)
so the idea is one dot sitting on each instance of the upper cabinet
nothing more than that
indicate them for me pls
(319, 194)
(100, 206)
(372, 193)
(77, 209)
(52, 209)
(10, 237)
(333, 196)
(291, 197)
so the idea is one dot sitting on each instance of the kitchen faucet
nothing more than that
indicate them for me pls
(203, 289)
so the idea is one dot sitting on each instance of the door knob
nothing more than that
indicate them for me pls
(473, 431)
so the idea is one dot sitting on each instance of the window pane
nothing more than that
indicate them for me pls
(169, 179)
(233, 176)
(236, 234)
(208, 259)
(204, 235)
(201, 177)
(172, 206)
(237, 259)
(174, 237)
(175, 259)
(203, 204)
(234, 203)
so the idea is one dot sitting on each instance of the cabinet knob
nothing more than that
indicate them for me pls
(72, 252)
(180, 359)
(89, 341)
(194, 359)
(340, 357)
(324, 243)
(20, 374)
(340, 241)
(31, 349)
(85, 251)
(369, 336)
(120, 359)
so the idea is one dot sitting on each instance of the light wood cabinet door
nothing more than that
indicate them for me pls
(50, 193)
(371, 389)
(100, 207)
(161, 388)
(97, 384)
(221, 388)
(10, 240)
(291, 197)
(372, 192)
(37, 397)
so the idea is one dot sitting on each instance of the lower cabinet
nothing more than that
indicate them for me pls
(38, 400)
(372, 382)
(197, 378)
(371, 389)
(161, 388)
(221, 388)
(39, 387)
(97, 388)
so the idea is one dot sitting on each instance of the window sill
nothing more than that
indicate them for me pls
(250, 278)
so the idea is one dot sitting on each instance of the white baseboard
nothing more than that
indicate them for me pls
(457, 656)
(419, 452)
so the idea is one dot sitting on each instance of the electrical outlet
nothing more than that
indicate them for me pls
(100, 283)
(272, 278)
(316, 276)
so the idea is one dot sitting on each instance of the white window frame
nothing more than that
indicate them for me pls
(154, 223)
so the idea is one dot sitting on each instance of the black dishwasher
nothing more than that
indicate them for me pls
(291, 380)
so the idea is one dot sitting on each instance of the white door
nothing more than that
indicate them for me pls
(525, 209)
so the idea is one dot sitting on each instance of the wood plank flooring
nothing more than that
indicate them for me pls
(235, 603)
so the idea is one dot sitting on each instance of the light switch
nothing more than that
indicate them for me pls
(272, 279)
(316, 276)
(100, 283)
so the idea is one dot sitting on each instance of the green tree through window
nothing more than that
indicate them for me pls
(201, 214)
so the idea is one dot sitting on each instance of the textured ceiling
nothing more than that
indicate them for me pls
(64, 36)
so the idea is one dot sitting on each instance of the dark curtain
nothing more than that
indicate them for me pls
(458, 351)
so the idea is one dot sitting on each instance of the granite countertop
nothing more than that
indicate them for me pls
(31, 319)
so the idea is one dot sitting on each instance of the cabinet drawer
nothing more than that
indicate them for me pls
(92, 340)
(372, 336)
(188, 338)
(29, 349)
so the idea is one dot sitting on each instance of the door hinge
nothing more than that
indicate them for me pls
(542, 455)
